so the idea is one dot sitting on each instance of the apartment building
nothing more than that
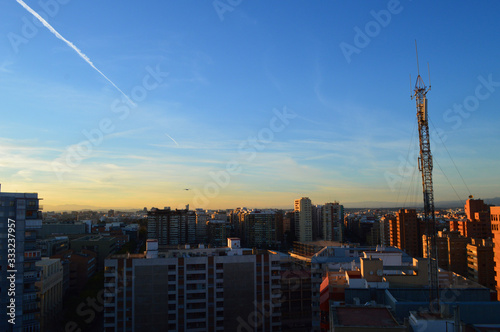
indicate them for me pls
(303, 219)
(172, 227)
(20, 218)
(198, 289)
(50, 291)
(260, 229)
(409, 231)
(480, 262)
(333, 218)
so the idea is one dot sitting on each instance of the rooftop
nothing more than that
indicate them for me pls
(45, 261)
(365, 316)
(94, 238)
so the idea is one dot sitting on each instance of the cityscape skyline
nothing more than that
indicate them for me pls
(247, 105)
(190, 270)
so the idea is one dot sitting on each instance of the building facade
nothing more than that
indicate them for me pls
(172, 227)
(223, 289)
(333, 218)
(217, 233)
(495, 229)
(478, 223)
(409, 232)
(103, 246)
(20, 218)
(50, 291)
(451, 251)
(78, 268)
(260, 229)
(480, 262)
(303, 219)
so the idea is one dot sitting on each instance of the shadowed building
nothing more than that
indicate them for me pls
(199, 289)
(22, 212)
(451, 251)
(333, 218)
(103, 246)
(172, 227)
(50, 291)
(260, 229)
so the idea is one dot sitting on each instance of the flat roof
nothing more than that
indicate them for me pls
(365, 316)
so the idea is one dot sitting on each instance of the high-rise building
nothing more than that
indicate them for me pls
(442, 249)
(385, 229)
(172, 227)
(495, 229)
(393, 230)
(408, 232)
(20, 217)
(473, 206)
(317, 222)
(217, 233)
(478, 223)
(201, 289)
(296, 307)
(451, 251)
(303, 219)
(202, 218)
(333, 217)
(457, 253)
(260, 229)
(480, 262)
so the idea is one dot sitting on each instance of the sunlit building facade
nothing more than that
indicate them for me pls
(303, 219)
(495, 229)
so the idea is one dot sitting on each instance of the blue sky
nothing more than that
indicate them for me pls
(222, 75)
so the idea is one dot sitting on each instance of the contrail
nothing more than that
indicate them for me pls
(70, 44)
(172, 139)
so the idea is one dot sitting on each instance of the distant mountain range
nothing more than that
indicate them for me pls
(75, 207)
(439, 204)
(366, 204)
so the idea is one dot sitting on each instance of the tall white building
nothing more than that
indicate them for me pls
(303, 219)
